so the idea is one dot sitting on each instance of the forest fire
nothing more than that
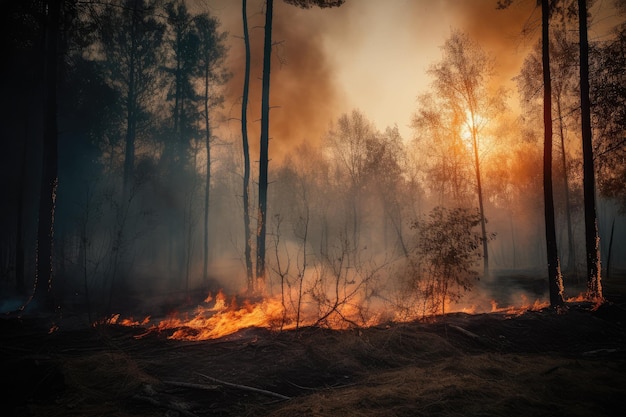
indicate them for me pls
(219, 316)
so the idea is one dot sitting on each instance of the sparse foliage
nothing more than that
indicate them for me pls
(445, 255)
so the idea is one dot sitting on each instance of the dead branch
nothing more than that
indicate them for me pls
(466, 332)
(598, 352)
(245, 387)
(301, 387)
(192, 385)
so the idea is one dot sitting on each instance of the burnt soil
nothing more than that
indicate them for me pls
(540, 363)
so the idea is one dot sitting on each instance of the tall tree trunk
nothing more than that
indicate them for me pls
(246, 151)
(49, 180)
(20, 286)
(592, 239)
(481, 206)
(129, 152)
(610, 250)
(207, 184)
(555, 281)
(513, 239)
(568, 212)
(264, 155)
(177, 110)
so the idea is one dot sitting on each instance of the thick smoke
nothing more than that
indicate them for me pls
(507, 34)
(303, 96)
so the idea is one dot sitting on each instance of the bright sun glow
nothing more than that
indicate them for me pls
(471, 124)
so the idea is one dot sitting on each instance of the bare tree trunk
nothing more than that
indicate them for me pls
(513, 239)
(610, 250)
(555, 281)
(207, 184)
(568, 213)
(19, 239)
(49, 177)
(129, 153)
(592, 239)
(481, 207)
(246, 151)
(264, 155)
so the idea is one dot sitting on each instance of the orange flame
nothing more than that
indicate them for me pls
(221, 320)
(525, 305)
(130, 322)
(218, 317)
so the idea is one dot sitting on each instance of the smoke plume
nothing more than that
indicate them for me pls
(303, 96)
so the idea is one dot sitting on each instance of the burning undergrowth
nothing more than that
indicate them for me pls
(219, 316)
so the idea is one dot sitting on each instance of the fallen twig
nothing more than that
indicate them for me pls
(599, 352)
(192, 385)
(328, 387)
(466, 332)
(245, 387)
(303, 388)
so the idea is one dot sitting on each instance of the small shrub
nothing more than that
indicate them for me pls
(446, 251)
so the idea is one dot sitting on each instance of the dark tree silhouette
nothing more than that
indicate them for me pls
(608, 95)
(184, 46)
(592, 239)
(246, 151)
(555, 281)
(131, 39)
(183, 58)
(49, 172)
(264, 155)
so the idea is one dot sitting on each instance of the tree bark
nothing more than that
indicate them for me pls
(246, 150)
(264, 156)
(49, 180)
(20, 286)
(571, 263)
(129, 151)
(555, 281)
(592, 239)
(479, 189)
(207, 184)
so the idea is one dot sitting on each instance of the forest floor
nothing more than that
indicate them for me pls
(537, 363)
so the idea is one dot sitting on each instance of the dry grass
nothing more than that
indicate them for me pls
(476, 385)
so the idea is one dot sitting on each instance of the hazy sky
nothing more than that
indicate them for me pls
(381, 64)
(368, 54)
